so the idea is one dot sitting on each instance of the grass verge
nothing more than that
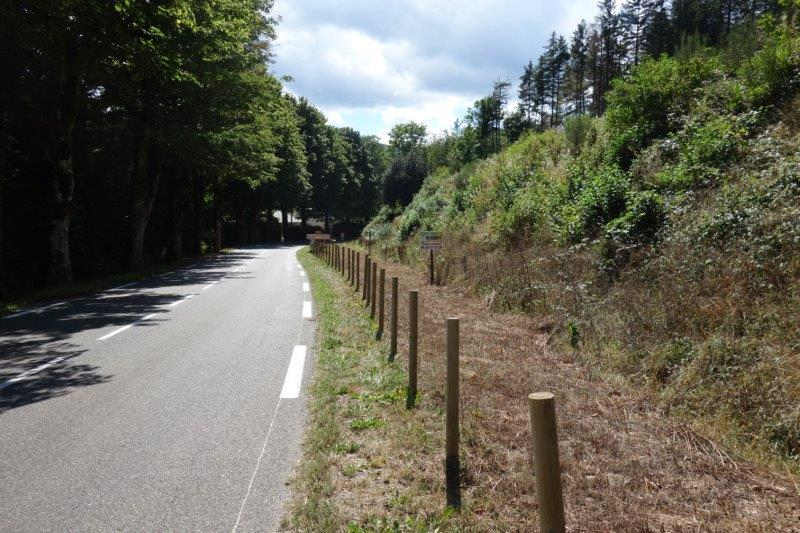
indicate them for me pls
(358, 421)
(371, 465)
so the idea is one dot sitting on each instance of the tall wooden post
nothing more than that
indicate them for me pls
(358, 271)
(545, 462)
(374, 289)
(381, 298)
(367, 270)
(411, 392)
(430, 266)
(452, 467)
(393, 322)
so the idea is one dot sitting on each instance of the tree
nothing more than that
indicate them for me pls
(634, 19)
(609, 52)
(498, 102)
(407, 137)
(527, 92)
(576, 73)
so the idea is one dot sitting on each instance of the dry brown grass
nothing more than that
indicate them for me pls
(626, 466)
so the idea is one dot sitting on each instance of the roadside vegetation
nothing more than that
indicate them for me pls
(371, 465)
(660, 240)
(360, 435)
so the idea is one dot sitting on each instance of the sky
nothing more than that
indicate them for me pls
(371, 64)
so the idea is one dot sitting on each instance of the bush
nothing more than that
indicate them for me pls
(774, 71)
(601, 200)
(645, 105)
(576, 131)
(643, 218)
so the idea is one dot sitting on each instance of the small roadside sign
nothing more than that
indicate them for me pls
(318, 236)
(431, 240)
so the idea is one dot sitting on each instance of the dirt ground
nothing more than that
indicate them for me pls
(626, 466)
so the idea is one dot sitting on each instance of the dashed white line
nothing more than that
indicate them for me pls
(35, 310)
(306, 288)
(115, 332)
(125, 328)
(307, 310)
(209, 286)
(294, 374)
(30, 372)
(123, 286)
(178, 302)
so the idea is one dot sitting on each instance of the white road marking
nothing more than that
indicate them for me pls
(178, 302)
(294, 374)
(123, 286)
(303, 273)
(125, 328)
(116, 331)
(209, 286)
(36, 310)
(305, 287)
(307, 310)
(258, 465)
(30, 372)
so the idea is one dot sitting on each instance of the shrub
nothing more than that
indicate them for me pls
(645, 105)
(643, 218)
(602, 199)
(576, 131)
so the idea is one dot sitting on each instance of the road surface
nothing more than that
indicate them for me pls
(174, 404)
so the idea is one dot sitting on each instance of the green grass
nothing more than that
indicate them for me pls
(357, 419)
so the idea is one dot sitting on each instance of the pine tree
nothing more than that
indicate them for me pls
(576, 76)
(610, 52)
(633, 19)
(527, 92)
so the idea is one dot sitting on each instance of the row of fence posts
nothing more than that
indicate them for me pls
(371, 285)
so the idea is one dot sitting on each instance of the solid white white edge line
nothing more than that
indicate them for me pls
(306, 288)
(294, 374)
(307, 310)
(124, 328)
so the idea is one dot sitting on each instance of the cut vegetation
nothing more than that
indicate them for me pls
(371, 465)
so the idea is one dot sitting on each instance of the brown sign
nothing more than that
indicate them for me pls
(431, 240)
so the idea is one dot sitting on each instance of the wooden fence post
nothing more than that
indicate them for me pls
(367, 270)
(358, 271)
(381, 298)
(393, 322)
(452, 467)
(374, 289)
(545, 462)
(430, 266)
(413, 303)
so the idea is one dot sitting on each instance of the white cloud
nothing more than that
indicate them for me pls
(371, 64)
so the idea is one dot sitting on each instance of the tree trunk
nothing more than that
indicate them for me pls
(218, 233)
(145, 187)
(3, 282)
(284, 224)
(197, 226)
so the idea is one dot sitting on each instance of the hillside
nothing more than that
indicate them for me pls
(659, 241)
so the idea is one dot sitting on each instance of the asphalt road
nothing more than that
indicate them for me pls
(167, 405)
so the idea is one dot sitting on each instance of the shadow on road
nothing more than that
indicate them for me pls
(35, 339)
